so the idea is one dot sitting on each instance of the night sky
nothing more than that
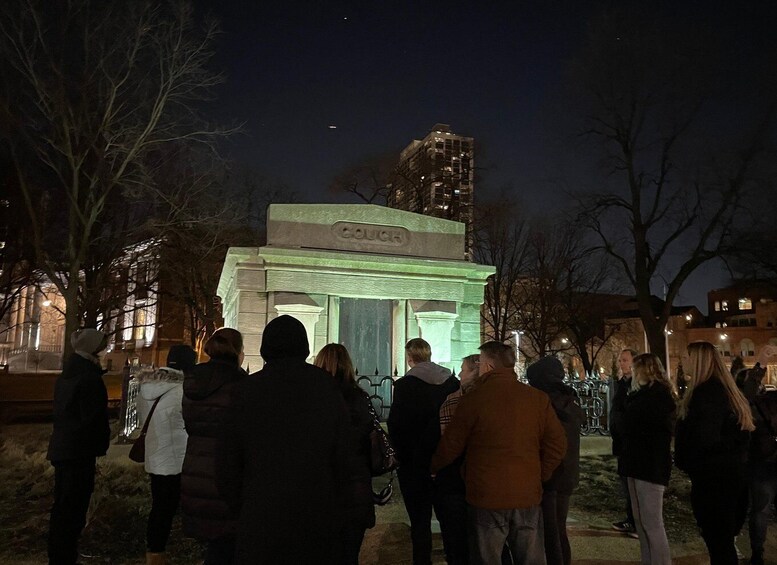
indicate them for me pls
(385, 72)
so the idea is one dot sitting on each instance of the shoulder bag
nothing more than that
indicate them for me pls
(138, 450)
(383, 458)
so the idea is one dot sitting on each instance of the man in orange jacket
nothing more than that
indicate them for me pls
(513, 442)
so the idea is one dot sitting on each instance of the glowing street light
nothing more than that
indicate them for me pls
(517, 335)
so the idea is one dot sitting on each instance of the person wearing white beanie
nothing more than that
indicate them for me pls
(81, 434)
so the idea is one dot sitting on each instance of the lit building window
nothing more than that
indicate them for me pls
(747, 347)
(717, 306)
(745, 304)
(724, 305)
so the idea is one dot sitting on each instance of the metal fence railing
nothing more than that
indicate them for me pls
(128, 411)
(380, 388)
(593, 394)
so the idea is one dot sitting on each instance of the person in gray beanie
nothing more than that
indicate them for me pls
(547, 375)
(81, 434)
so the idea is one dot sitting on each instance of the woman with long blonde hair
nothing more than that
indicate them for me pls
(646, 459)
(711, 447)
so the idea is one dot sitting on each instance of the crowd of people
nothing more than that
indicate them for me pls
(275, 467)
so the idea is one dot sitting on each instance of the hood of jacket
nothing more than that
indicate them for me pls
(207, 378)
(545, 373)
(430, 373)
(88, 342)
(284, 338)
(155, 382)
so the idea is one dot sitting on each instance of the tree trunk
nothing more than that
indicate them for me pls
(70, 295)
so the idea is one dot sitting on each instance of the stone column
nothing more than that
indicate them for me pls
(399, 337)
(435, 327)
(306, 314)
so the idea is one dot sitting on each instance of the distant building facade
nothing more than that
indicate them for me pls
(435, 177)
(141, 329)
(742, 320)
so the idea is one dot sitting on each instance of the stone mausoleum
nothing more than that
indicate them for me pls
(365, 276)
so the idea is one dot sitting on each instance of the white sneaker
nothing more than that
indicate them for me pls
(740, 555)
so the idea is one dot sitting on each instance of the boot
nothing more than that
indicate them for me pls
(155, 559)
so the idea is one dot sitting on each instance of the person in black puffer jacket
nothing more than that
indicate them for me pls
(81, 434)
(711, 443)
(547, 375)
(206, 399)
(357, 496)
(646, 459)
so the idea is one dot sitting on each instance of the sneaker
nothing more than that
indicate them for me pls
(740, 555)
(624, 527)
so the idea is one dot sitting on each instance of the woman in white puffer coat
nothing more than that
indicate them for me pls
(165, 444)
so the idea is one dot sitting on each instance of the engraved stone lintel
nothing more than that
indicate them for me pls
(371, 233)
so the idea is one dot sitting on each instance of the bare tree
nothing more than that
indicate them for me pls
(93, 94)
(670, 198)
(230, 212)
(17, 269)
(369, 180)
(501, 232)
(560, 303)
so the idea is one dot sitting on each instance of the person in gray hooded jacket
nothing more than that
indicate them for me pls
(414, 427)
(81, 434)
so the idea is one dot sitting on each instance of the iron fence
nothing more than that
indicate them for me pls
(380, 389)
(128, 411)
(593, 392)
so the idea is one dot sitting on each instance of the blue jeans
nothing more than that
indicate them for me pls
(520, 528)
(763, 487)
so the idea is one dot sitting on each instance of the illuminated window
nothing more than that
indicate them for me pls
(745, 304)
(747, 347)
(717, 306)
(724, 305)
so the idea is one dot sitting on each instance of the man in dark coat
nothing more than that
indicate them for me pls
(283, 452)
(547, 375)
(414, 427)
(81, 434)
(619, 389)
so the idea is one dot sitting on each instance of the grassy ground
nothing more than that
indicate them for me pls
(116, 530)
(599, 499)
(117, 517)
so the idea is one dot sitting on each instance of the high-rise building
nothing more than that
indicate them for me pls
(435, 176)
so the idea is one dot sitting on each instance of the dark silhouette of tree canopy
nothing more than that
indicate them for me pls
(675, 173)
(94, 96)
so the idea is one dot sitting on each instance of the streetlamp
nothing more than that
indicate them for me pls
(517, 335)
